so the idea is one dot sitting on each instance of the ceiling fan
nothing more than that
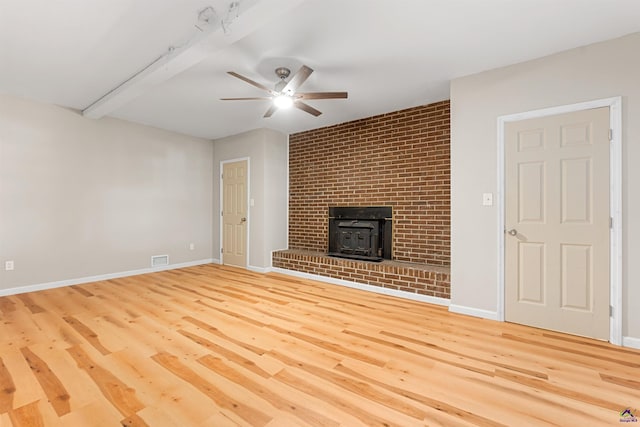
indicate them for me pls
(284, 95)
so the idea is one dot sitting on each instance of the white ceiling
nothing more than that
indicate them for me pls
(388, 55)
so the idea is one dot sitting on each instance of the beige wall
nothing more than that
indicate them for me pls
(268, 163)
(597, 71)
(82, 197)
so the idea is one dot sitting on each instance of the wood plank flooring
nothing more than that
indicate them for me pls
(218, 346)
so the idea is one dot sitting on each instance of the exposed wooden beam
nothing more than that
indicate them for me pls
(211, 39)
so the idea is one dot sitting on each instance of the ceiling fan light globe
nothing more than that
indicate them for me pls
(283, 101)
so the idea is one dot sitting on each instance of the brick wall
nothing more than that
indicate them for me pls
(399, 159)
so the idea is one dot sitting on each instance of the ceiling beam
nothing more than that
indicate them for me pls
(253, 15)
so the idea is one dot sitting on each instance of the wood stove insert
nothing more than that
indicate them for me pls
(360, 232)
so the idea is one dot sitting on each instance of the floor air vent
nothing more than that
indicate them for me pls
(159, 260)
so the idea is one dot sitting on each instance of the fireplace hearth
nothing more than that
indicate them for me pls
(360, 232)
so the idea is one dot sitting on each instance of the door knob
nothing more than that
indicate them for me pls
(243, 219)
(512, 232)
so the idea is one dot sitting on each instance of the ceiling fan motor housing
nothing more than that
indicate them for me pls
(283, 72)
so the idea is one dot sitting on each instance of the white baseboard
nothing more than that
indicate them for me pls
(258, 269)
(364, 287)
(631, 342)
(475, 312)
(80, 280)
(216, 261)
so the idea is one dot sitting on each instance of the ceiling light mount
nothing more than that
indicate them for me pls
(233, 11)
(283, 72)
(206, 17)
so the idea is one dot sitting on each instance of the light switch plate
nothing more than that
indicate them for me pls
(487, 199)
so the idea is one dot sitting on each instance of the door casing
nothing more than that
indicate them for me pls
(615, 203)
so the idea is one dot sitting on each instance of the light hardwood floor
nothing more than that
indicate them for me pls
(217, 346)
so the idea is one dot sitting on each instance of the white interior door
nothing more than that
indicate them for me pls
(234, 213)
(557, 222)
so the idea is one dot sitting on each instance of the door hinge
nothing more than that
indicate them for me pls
(221, 213)
(221, 250)
(610, 134)
(610, 311)
(611, 222)
(221, 176)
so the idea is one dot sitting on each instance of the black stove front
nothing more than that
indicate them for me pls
(360, 232)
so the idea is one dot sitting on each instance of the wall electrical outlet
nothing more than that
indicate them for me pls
(8, 265)
(487, 199)
(192, 246)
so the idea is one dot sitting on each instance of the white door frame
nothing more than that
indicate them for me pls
(222, 163)
(615, 202)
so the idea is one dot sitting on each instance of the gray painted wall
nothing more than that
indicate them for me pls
(267, 151)
(82, 197)
(597, 71)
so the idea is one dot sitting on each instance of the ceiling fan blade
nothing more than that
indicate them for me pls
(251, 82)
(322, 95)
(270, 111)
(255, 98)
(298, 78)
(308, 108)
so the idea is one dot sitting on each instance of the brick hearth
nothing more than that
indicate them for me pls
(415, 278)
